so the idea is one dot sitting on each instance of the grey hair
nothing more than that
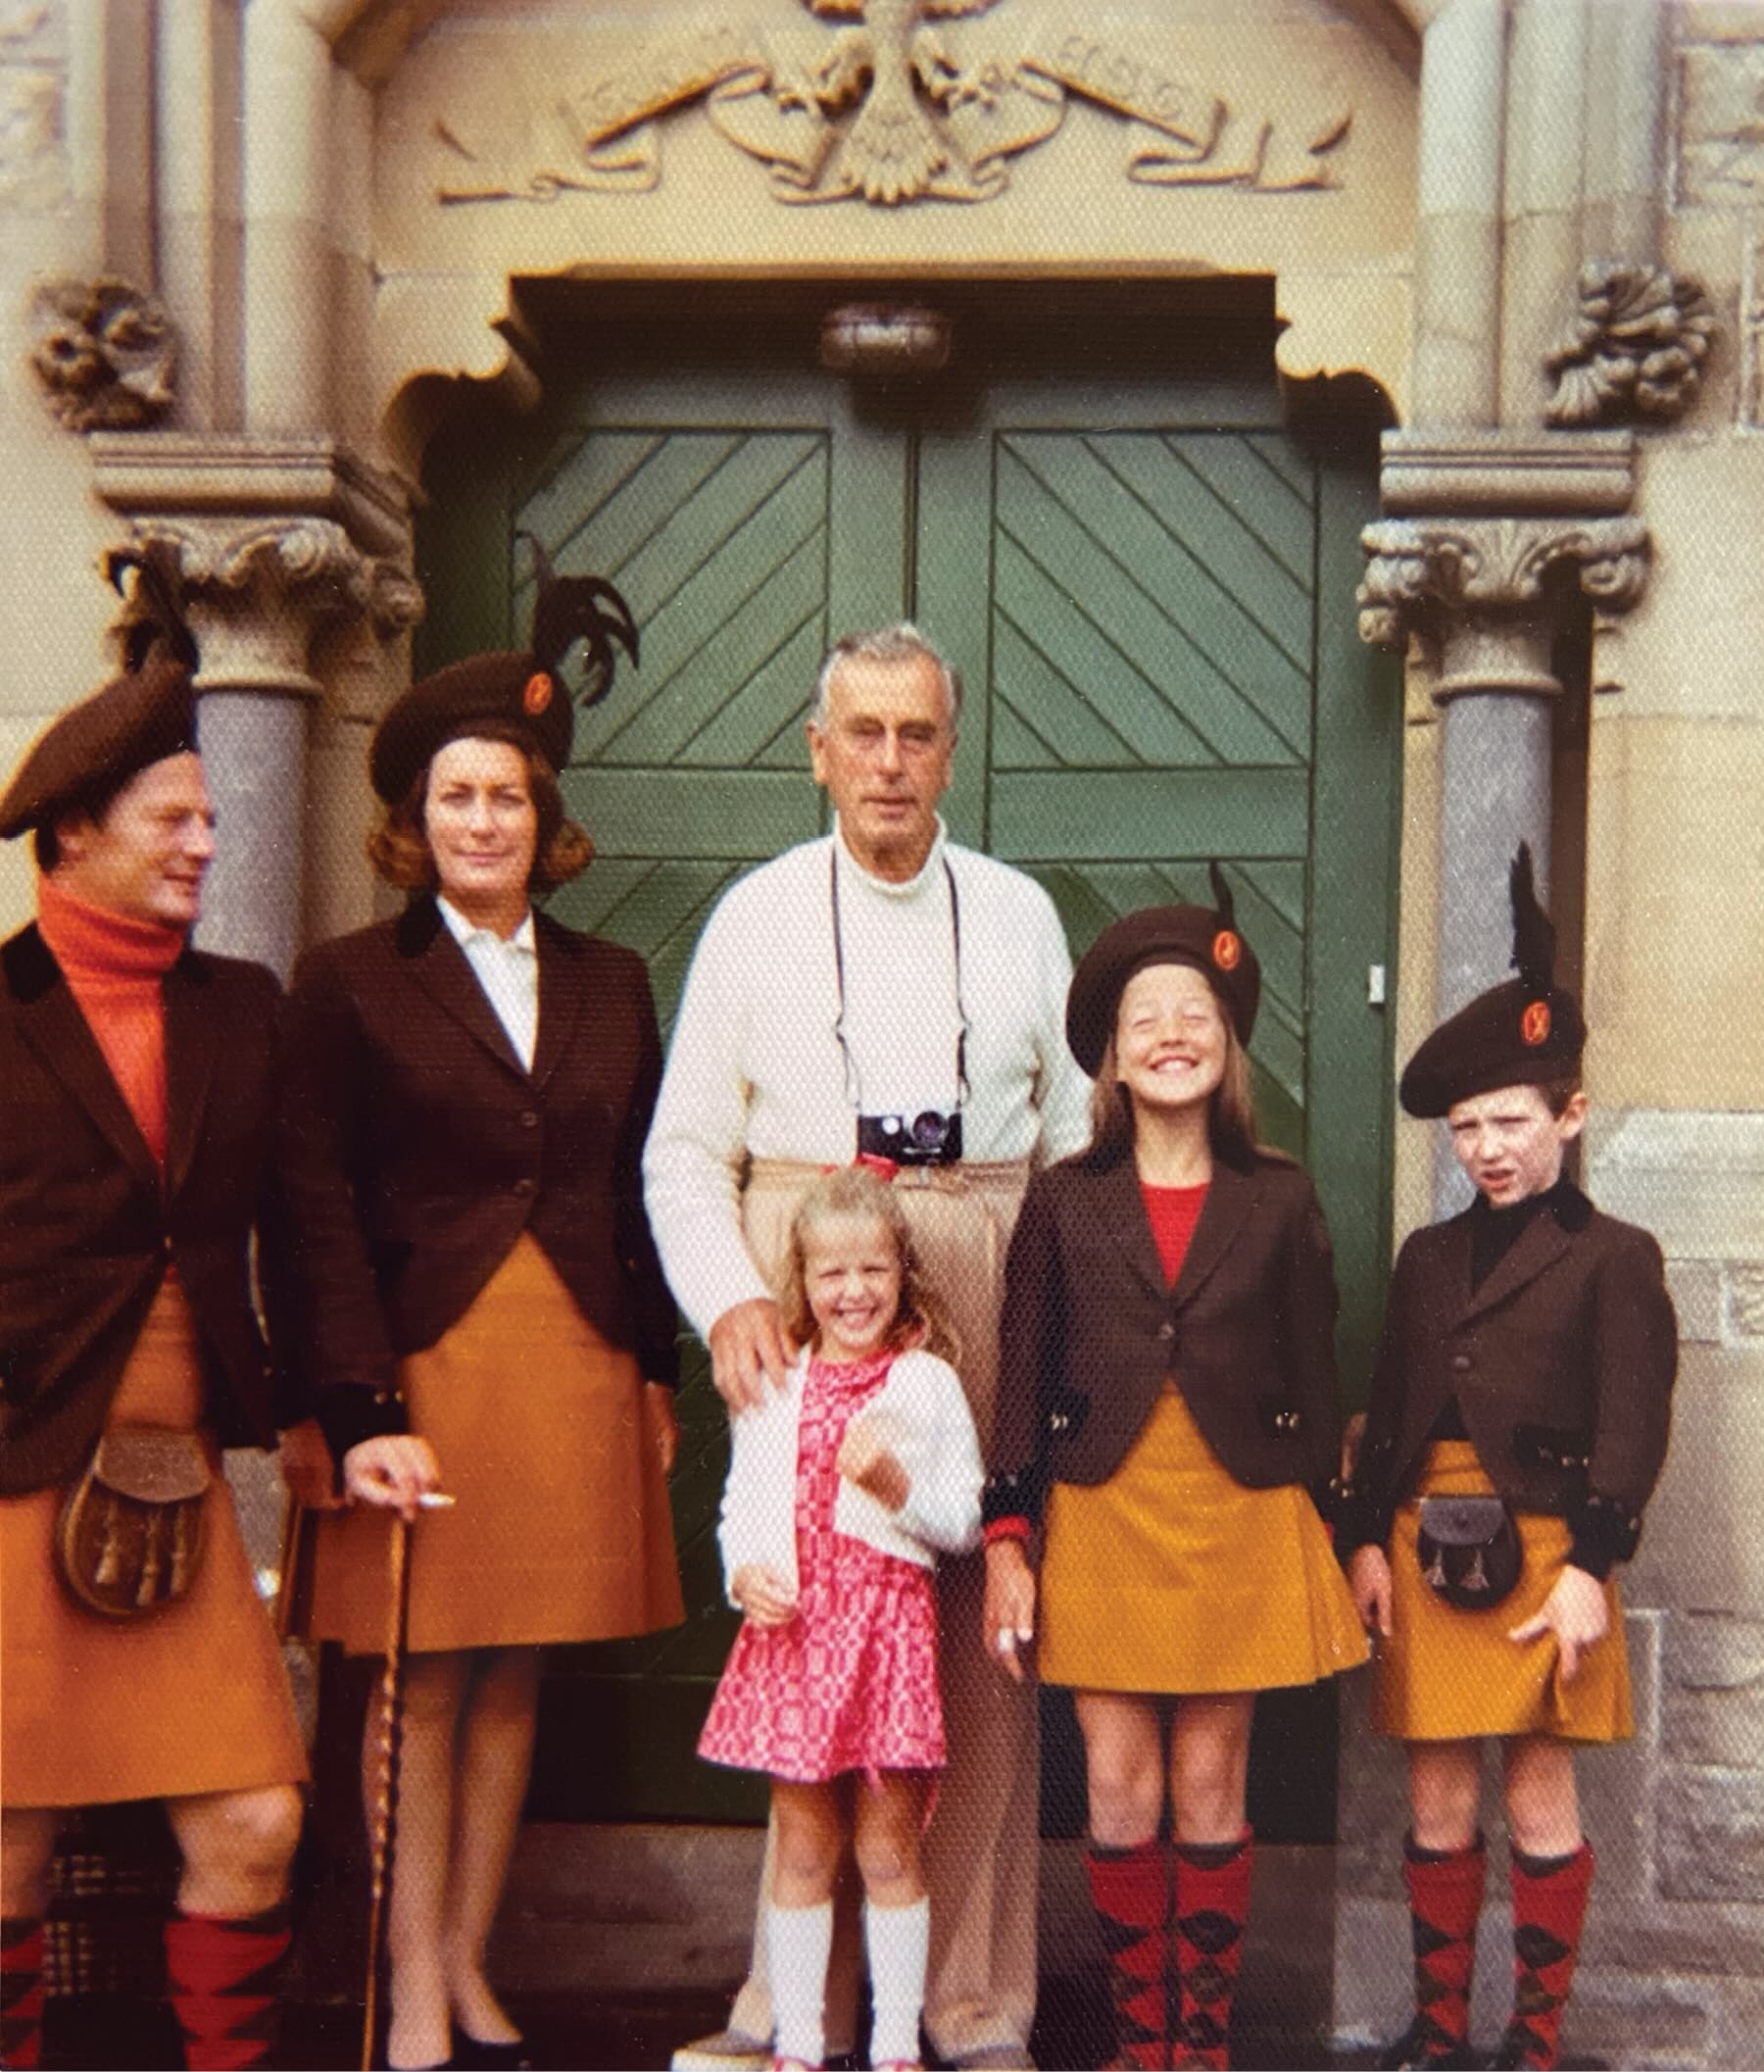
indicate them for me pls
(900, 642)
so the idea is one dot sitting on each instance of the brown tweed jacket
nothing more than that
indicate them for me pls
(1562, 1364)
(1091, 1332)
(87, 1227)
(416, 1148)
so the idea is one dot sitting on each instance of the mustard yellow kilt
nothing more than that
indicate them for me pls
(1450, 1675)
(1171, 1577)
(189, 1699)
(562, 1529)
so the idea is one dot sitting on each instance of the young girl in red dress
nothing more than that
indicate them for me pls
(843, 1487)
(1167, 1420)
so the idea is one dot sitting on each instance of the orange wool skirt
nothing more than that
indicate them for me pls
(1171, 1577)
(1450, 1675)
(561, 1530)
(192, 1698)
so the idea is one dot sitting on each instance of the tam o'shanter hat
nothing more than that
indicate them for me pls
(1203, 937)
(139, 717)
(521, 691)
(1526, 1032)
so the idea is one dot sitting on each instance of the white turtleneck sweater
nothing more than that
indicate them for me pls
(754, 1067)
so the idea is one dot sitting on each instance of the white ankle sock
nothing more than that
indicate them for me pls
(897, 1939)
(801, 1939)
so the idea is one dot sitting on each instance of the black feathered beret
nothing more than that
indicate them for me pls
(521, 692)
(139, 717)
(1205, 937)
(1527, 1031)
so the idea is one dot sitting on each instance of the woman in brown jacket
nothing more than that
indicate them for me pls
(1167, 1415)
(469, 1092)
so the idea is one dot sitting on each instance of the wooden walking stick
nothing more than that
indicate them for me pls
(389, 1699)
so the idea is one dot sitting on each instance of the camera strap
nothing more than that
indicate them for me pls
(853, 1080)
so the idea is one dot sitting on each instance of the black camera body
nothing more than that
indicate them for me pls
(929, 1138)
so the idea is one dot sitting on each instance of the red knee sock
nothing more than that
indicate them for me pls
(1549, 1904)
(1213, 1910)
(1446, 1892)
(20, 1991)
(223, 1976)
(1130, 1889)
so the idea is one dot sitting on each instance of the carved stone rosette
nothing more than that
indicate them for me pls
(105, 353)
(1635, 350)
(1486, 591)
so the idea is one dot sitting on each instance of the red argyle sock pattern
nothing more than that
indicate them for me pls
(20, 1991)
(1446, 1893)
(1549, 1904)
(222, 1978)
(1130, 1889)
(1212, 1910)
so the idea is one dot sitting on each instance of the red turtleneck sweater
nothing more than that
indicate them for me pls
(114, 966)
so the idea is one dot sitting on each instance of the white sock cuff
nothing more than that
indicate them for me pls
(802, 1939)
(898, 1940)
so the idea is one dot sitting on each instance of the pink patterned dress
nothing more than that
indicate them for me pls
(850, 1681)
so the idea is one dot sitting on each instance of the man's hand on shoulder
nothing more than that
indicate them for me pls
(750, 1352)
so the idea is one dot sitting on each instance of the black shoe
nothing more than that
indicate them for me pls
(1420, 2045)
(475, 2056)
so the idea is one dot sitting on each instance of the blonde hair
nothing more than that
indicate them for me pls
(853, 1190)
(1230, 1113)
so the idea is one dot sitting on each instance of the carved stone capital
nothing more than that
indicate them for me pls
(105, 352)
(1636, 347)
(276, 538)
(1489, 592)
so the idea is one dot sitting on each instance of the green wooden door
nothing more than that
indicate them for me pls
(1149, 592)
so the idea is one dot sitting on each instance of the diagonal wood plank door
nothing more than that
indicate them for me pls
(1148, 589)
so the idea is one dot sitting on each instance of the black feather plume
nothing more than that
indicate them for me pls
(584, 608)
(158, 596)
(1533, 934)
(1221, 892)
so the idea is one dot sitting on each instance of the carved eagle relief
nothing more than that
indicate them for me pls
(893, 149)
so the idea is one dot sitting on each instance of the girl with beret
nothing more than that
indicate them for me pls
(469, 1092)
(1168, 1418)
(1517, 1425)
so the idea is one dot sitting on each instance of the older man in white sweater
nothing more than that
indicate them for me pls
(859, 992)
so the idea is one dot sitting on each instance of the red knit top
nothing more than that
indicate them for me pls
(114, 966)
(1173, 1211)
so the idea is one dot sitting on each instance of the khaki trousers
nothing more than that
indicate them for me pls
(982, 1847)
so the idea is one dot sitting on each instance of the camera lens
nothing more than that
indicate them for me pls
(930, 1129)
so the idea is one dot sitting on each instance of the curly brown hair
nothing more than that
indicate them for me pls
(398, 847)
(853, 1190)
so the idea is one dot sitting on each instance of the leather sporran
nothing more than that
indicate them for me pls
(129, 1535)
(1469, 1550)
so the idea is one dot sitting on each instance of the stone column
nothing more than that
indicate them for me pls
(279, 542)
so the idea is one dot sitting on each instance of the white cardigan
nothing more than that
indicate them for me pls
(930, 1431)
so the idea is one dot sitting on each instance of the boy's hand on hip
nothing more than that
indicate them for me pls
(1577, 1612)
(1369, 1579)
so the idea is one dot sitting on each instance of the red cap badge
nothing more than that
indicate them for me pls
(1227, 950)
(1534, 1023)
(538, 694)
